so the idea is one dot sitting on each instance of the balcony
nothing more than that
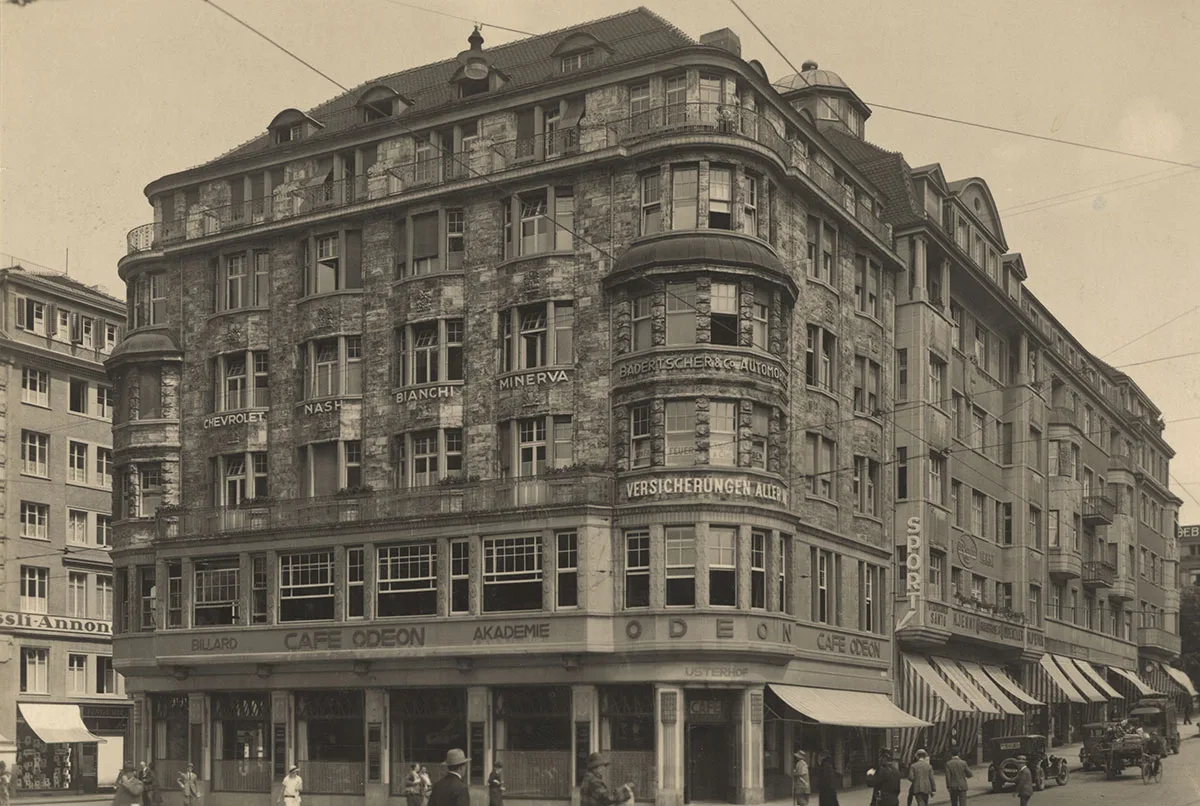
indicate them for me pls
(492, 495)
(1156, 640)
(1098, 574)
(1098, 510)
(718, 120)
(1064, 415)
(1119, 461)
(1063, 563)
(1122, 589)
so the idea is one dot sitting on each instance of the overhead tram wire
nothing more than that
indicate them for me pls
(1148, 332)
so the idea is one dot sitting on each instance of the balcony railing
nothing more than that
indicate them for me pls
(1158, 638)
(297, 199)
(1121, 462)
(568, 489)
(1098, 509)
(1098, 573)
(1064, 415)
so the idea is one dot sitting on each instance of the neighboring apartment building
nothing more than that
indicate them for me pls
(532, 402)
(64, 716)
(1033, 510)
(1189, 555)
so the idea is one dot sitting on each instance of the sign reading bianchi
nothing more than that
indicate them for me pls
(706, 485)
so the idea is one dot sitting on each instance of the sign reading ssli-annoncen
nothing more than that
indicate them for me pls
(37, 623)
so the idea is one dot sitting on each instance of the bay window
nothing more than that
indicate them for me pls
(332, 366)
(826, 591)
(724, 314)
(750, 206)
(429, 352)
(723, 430)
(407, 580)
(326, 467)
(760, 432)
(685, 197)
(680, 566)
(217, 591)
(866, 486)
(512, 574)
(331, 262)
(530, 446)
(680, 432)
(870, 602)
(241, 280)
(306, 586)
(356, 582)
(637, 568)
(423, 458)
(148, 295)
(642, 329)
(720, 198)
(539, 221)
(431, 242)
(539, 335)
(758, 569)
(241, 380)
(681, 313)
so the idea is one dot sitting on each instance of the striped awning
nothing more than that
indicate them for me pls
(965, 686)
(1132, 678)
(1180, 678)
(1005, 681)
(994, 691)
(1060, 681)
(1097, 680)
(1077, 678)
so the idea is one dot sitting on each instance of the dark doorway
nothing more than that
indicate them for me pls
(710, 764)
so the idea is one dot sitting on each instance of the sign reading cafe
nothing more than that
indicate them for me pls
(706, 485)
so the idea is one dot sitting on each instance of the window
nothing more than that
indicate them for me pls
(576, 61)
(867, 275)
(720, 198)
(637, 568)
(866, 486)
(85, 331)
(902, 374)
(174, 594)
(407, 580)
(104, 467)
(149, 297)
(1035, 604)
(426, 457)
(723, 433)
(937, 575)
(681, 566)
(639, 102)
(240, 478)
(901, 473)
(1054, 540)
(870, 605)
(1142, 563)
(651, 202)
(784, 554)
(258, 589)
(35, 520)
(241, 380)
(866, 386)
(956, 583)
(77, 674)
(822, 251)
(643, 323)
(332, 262)
(758, 570)
(539, 221)
(35, 453)
(460, 576)
(820, 369)
(681, 313)
(34, 589)
(332, 366)
(676, 98)
(104, 402)
(937, 478)
(111, 334)
(35, 666)
(760, 432)
(106, 676)
(429, 352)
(982, 354)
(680, 432)
(723, 315)
(978, 426)
(1004, 524)
(937, 379)
(242, 281)
(77, 462)
(306, 586)
(825, 588)
(104, 598)
(978, 514)
(1035, 527)
(639, 435)
(685, 196)
(35, 387)
(821, 457)
(77, 595)
(512, 574)
(760, 319)
(541, 335)
(31, 316)
(530, 446)
(77, 527)
(567, 569)
(722, 566)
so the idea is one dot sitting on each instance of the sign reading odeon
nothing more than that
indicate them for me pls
(703, 361)
(706, 485)
(234, 418)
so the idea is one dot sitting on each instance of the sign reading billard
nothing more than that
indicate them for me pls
(701, 362)
(543, 377)
(706, 485)
(234, 418)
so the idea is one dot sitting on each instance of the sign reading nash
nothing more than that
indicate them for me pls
(706, 485)
(234, 418)
(700, 362)
(33, 622)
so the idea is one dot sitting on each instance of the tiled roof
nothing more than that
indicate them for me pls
(886, 169)
(527, 62)
(68, 282)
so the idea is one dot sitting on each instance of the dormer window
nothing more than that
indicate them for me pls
(380, 102)
(292, 125)
(575, 62)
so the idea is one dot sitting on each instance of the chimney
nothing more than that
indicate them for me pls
(724, 39)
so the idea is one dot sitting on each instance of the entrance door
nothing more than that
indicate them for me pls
(710, 763)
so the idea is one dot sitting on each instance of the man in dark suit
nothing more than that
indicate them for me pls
(452, 789)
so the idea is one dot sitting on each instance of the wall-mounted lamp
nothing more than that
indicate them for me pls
(180, 673)
(264, 670)
(465, 664)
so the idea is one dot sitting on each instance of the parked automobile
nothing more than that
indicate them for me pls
(1002, 752)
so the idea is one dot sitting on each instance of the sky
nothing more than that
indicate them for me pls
(100, 97)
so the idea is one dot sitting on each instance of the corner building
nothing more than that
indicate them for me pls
(530, 402)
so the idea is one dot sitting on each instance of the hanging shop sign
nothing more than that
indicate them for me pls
(914, 570)
(524, 380)
(234, 418)
(35, 623)
(727, 486)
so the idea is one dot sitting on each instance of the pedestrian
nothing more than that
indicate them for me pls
(924, 785)
(189, 785)
(957, 773)
(5, 784)
(426, 785)
(1187, 711)
(150, 793)
(885, 781)
(496, 785)
(826, 782)
(594, 791)
(128, 789)
(801, 786)
(452, 790)
(293, 787)
(412, 786)
(1024, 787)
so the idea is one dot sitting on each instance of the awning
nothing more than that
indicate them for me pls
(943, 690)
(1012, 687)
(56, 723)
(1060, 679)
(1180, 677)
(1138, 684)
(857, 709)
(958, 678)
(1079, 680)
(995, 692)
(1097, 680)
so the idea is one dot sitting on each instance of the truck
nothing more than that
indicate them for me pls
(1157, 715)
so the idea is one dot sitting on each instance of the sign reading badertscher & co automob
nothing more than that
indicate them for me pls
(706, 485)
(699, 362)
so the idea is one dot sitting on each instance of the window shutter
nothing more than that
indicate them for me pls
(574, 113)
(76, 329)
(353, 258)
(22, 313)
(425, 236)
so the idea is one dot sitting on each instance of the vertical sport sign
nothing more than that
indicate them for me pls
(914, 568)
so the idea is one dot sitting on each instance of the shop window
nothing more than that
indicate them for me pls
(426, 724)
(407, 580)
(685, 197)
(306, 586)
(216, 592)
(539, 221)
(512, 574)
(331, 262)
(681, 566)
(567, 569)
(637, 568)
(356, 582)
(722, 566)
(460, 576)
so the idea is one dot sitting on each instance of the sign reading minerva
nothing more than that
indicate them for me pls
(35, 622)
(706, 485)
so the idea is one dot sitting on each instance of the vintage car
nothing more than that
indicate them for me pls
(1117, 750)
(1002, 752)
(1093, 736)
(1157, 715)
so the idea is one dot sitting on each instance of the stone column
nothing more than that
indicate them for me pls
(245, 589)
(198, 735)
(549, 569)
(774, 560)
(272, 587)
(188, 569)
(702, 588)
(669, 755)
(370, 589)
(476, 542)
(375, 713)
(919, 270)
(742, 546)
(750, 726)
(339, 583)
(443, 577)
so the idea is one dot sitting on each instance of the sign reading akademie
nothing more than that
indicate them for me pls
(732, 487)
(39, 623)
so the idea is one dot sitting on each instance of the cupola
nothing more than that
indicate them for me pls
(825, 96)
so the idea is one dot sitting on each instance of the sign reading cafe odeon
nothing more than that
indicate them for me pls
(706, 485)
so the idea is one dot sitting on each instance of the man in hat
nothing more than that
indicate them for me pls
(885, 781)
(452, 789)
(593, 791)
(801, 787)
(189, 785)
(924, 785)
(293, 785)
(1024, 787)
